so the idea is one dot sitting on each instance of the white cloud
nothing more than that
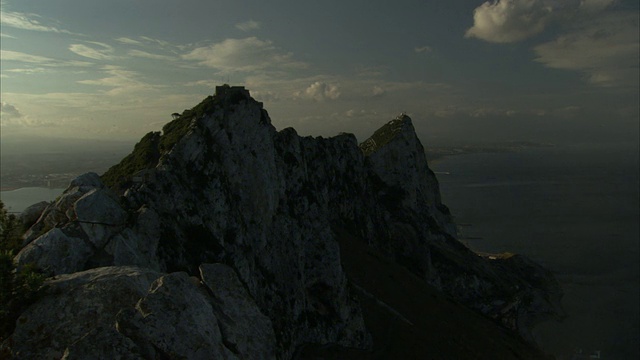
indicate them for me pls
(320, 91)
(101, 52)
(353, 113)
(248, 25)
(371, 71)
(268, 96)
(7, 36)
(27, 22)
(505, 21)
(8, 55)
(27, 71)
(144, 54)
(378, 91)
(120, 80)
(605, 50)
(128, 41)
(422, 49)
(249, 54)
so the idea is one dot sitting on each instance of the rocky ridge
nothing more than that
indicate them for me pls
(226, 229)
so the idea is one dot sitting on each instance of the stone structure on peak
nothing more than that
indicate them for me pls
(254, 215)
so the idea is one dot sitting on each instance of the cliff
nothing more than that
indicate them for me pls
(223, 238)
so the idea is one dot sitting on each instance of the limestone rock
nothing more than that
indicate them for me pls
(243, 326)
(89, 180)
(99, 215)
(31, 214)
(76, 316)
(174, 320)
(56, 253)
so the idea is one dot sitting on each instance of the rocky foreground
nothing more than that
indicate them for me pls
(223, 238)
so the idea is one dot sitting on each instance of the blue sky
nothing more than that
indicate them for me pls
(464, 70)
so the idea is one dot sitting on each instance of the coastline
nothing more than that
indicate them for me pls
(17, 199)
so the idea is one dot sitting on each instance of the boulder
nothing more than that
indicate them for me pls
(75, 318)
(56, 253)
(174, 320)
(31, 214)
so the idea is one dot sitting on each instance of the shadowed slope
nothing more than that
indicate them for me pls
(409, 319)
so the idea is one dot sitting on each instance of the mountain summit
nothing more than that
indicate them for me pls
(220, 237)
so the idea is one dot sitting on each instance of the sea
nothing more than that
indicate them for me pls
(15, 201)
(573, 209)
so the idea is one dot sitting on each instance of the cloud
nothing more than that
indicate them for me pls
(595, 5)
(120, 80)
(28, 71)
(9, 111)
(353, 113)
(128, 41)
(248, 25)
(144, 54)
(422, 49)
(378, 91)
(371, 71)
(12, 117)
(267, 96)
(8, 55)
(101, 52)
(505, 21)
(249, 54)
(605, 50)
(27, 22)
(7, 36)
(156, 41)
(320, 91)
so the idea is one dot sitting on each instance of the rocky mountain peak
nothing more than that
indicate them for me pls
(221, 197)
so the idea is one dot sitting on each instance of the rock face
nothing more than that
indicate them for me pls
(221, 186)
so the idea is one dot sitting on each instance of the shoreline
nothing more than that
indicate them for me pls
(9, 188)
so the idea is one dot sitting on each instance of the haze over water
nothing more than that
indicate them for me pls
(572, 208)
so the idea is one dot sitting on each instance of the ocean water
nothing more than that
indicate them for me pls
(16, 201)
(575, 210)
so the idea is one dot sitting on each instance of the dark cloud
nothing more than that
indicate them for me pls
(9, 112)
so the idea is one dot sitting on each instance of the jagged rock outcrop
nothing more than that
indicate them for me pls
(221, 185)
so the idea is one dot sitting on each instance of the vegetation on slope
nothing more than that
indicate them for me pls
(145, 155)
(173, 131)
(18, 289)
(153, 145)
(382, 136)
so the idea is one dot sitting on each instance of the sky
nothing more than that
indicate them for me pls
(539, 70)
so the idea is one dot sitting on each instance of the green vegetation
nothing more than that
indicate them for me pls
(18, 289)
(145, 155)
(10, 230)
(153, 145)
(173, 131)
(381, 137)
